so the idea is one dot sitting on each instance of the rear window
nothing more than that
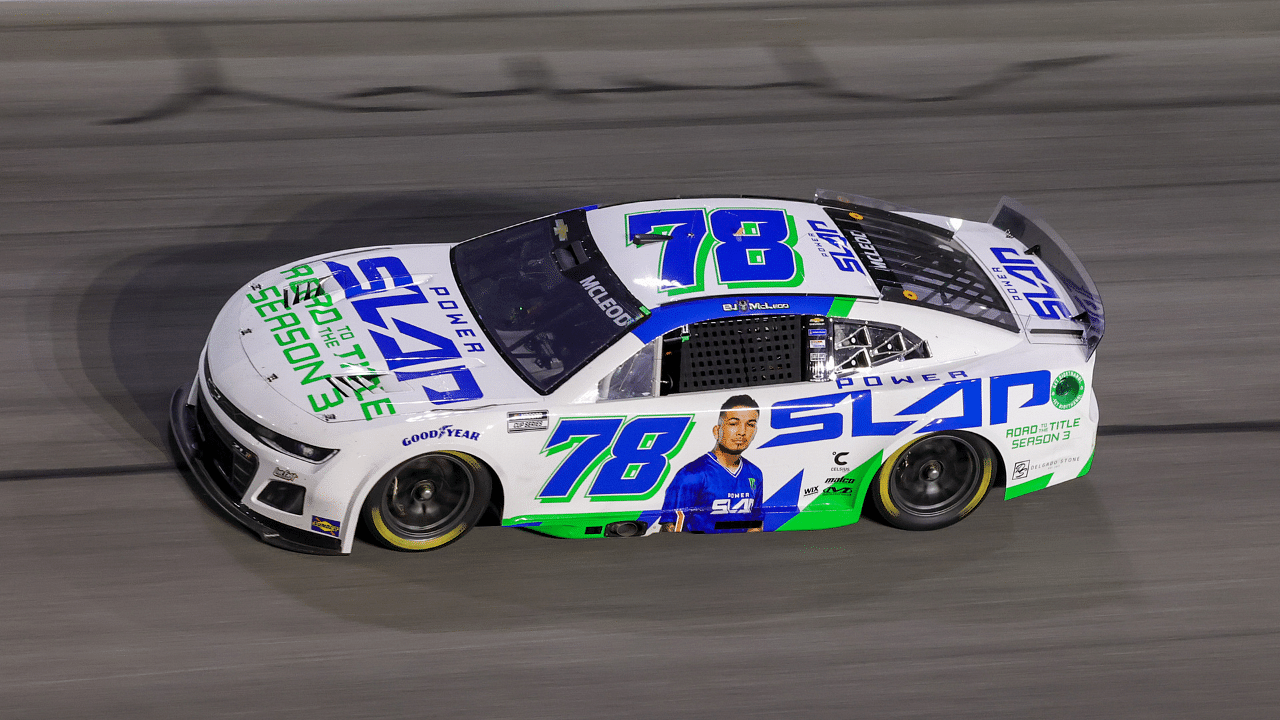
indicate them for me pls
(916, 264)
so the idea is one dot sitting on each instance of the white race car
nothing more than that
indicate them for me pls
(728, 364)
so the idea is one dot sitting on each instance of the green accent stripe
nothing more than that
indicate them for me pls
(570, 525)
(830, 510)
(841, 307)
(1029, 486)
(1087, 466)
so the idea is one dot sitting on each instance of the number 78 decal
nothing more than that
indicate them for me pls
(751, 247)
(628, 461)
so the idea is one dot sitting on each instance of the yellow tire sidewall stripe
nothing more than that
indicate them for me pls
(982, 487)
(470, 461)
(886, 471)
(407, 544)
(882, 481)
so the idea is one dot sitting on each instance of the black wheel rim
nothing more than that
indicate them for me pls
(936, 475)
(427, 496)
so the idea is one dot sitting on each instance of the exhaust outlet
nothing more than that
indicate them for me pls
(626, 528)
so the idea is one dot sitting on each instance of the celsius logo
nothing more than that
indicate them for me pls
(838, 458)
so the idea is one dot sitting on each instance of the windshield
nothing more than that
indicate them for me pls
(545, 296)
(914, 263)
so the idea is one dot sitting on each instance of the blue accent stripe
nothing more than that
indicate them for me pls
(783, 504)
(669, 317)
(787, 496)
(650, 517)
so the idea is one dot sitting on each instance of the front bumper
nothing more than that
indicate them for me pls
(217, 462)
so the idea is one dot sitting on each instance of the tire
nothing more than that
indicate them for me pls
(935, 481)
(427, 502)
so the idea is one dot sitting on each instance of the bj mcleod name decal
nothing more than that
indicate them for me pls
(600, 296)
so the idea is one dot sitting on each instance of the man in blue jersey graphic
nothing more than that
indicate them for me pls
(720, 491)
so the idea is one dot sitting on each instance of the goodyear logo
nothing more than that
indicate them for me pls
(325, 525)
(444, 431)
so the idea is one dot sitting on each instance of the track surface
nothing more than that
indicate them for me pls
(146, 169)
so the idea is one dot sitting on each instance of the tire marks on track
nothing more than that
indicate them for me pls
(532, 75)
(1245, 426)
(85, 472)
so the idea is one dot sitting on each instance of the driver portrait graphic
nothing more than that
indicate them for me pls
(720, 491)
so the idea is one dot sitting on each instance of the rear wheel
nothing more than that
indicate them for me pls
(428, 502)
(934, 481)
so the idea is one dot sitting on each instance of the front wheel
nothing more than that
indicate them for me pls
(427, 502)
(934, 481)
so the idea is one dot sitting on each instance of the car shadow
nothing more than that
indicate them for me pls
(1034, 559)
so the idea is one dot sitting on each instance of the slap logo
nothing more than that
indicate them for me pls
(1042, 297)
(834, 245)
(412, 352)
(850, 414)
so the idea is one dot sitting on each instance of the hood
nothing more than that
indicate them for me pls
(371, 333)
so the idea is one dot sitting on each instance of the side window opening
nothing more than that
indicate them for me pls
(759, 350)
(858, 345)
(635, 378)
(734, 353)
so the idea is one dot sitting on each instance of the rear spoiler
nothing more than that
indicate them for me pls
(843, 199)
(1021, 223)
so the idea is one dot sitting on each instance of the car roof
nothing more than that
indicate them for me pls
(724, 246)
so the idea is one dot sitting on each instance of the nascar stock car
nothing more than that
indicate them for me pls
(723, 364)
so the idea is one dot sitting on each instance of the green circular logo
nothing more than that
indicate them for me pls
(1068, 389)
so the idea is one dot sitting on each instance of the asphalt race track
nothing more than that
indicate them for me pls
(153, 157)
